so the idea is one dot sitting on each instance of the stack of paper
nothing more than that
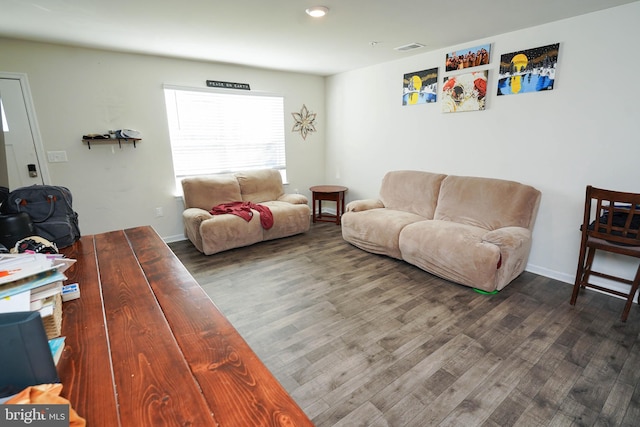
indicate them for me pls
(29, 282)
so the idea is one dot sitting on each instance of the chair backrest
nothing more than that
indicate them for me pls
(613, 216)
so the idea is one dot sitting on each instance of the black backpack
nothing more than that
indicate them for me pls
(50, 209)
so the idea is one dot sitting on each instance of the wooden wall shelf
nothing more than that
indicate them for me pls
(111, 140)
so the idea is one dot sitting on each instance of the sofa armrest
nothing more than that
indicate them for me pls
(195, 215)
(363, 205)
(508, 237)
(514, 244)
(192, 218)
(295, 199)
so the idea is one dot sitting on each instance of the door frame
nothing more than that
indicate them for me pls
(33, 122)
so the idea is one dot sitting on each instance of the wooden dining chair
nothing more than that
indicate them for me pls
(611, 223)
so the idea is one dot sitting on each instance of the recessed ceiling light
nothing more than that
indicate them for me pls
(317, 11)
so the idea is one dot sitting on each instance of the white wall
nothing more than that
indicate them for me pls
(583, 132)
(78, 91)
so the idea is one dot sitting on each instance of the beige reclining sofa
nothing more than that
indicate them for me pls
(215, 233)
(469, 230)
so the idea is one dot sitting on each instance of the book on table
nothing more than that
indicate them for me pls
(38, 295)
(29, 281)
(56, 345)
(14, 267)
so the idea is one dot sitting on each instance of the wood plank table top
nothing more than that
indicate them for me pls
(328, 189)
(145, 346)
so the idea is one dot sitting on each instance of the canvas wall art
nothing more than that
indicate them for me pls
(467, 58)
(464, 92)
(420, 87)
(525, 71)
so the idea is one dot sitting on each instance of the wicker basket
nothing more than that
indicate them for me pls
(53, 322)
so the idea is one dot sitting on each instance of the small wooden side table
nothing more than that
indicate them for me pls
(333, 193)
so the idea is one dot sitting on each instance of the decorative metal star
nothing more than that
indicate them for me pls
(304, 122)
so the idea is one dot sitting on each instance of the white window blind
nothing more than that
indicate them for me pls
(215, 132)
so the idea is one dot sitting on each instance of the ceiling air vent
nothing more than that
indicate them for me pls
(410, 46)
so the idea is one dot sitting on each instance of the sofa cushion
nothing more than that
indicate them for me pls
(205, 192)
(260, 185)
(227, 231)
(453, 251)
(411, 191)
(486, 202)
(288, 219)
(377, 230)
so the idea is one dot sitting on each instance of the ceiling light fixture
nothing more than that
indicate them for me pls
(317, 11)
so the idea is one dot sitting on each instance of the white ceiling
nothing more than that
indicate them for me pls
(277, 34)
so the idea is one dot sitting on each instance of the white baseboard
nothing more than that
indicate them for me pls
(176, 238)
(562, 277)
(329, 211)
(570, 279)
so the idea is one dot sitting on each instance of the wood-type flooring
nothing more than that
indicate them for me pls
(359, 339)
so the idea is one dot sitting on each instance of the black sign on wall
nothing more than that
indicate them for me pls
(228, 85)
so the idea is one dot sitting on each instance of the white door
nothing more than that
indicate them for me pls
(21, 135)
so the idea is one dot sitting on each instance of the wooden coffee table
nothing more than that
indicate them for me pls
(333, 193)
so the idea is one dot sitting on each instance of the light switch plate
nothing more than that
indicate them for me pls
(57, 156)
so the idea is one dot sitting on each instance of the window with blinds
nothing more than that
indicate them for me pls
(220, 132)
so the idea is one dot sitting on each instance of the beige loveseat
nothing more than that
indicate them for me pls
(469, 230)
(215, 233)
